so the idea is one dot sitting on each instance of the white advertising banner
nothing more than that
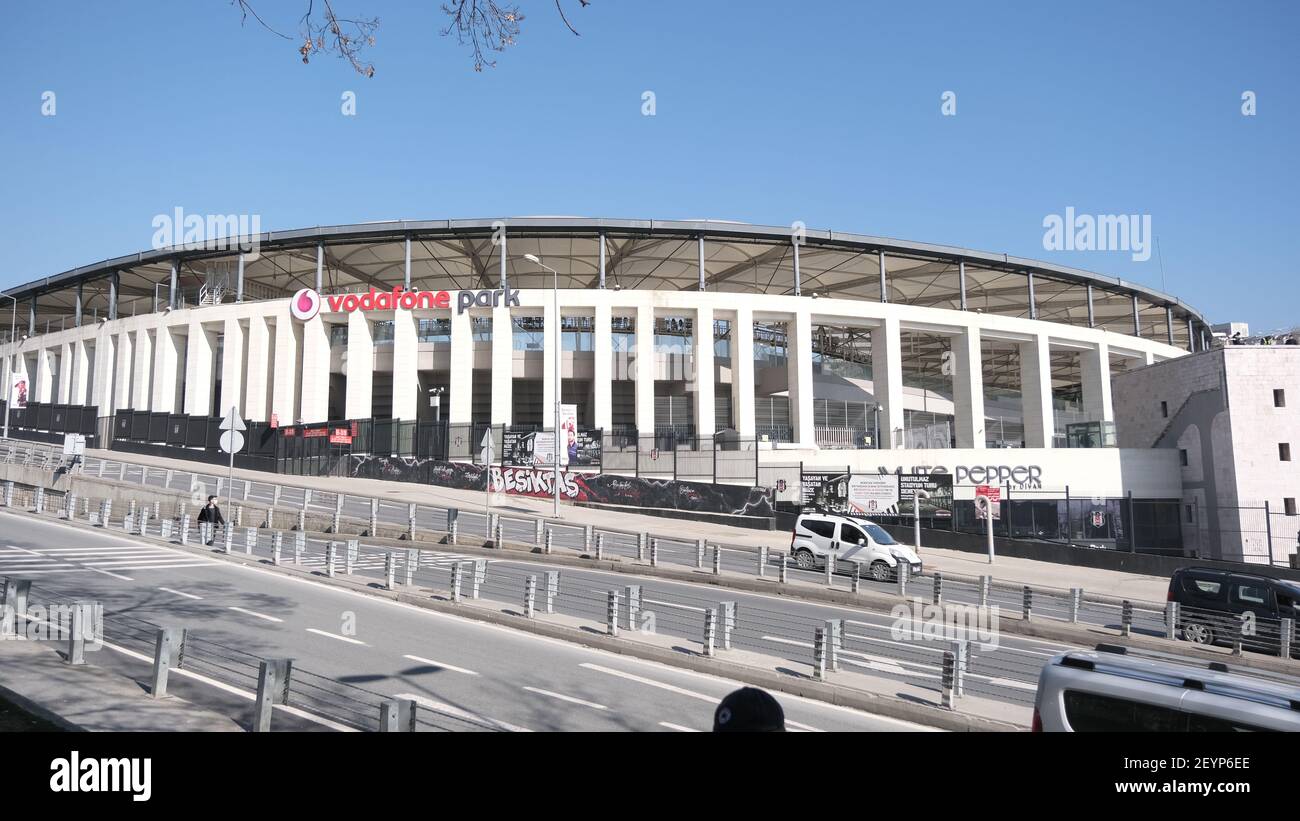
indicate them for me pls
(568, 433)
(873, 494)
(18, 391)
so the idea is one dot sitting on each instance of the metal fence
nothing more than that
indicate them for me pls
(784, 631)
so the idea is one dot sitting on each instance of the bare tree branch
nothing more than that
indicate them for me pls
(486, 26)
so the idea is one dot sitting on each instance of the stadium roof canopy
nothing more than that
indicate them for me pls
(638, 254)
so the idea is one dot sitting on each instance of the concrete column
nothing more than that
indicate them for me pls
(742, 371)
(232, 366)
(645, 370)
(406, 385)
(705, 412)
(503, 366)
(44, 376)
(1036, 392)
(80, 302)
(799, 378)
(461, 383)
(968, 388)
(284, 390)
(64, 394)
(257, 407)
(101, 395)
(602, 345)
(360, 365)
(142, 392)
(1094, 368)
(166, 369)
(198, 370)
(81, 376)
(315, 403)
(122, 397)
(887, 373)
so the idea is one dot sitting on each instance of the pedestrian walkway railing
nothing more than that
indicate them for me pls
(197, 654)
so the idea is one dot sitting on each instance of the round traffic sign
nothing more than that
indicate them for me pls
(232, 441)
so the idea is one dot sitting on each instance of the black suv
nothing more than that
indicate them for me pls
(1217, 606)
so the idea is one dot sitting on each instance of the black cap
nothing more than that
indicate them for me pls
(749, 710)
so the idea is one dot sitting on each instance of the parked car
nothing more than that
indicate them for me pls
(849, 541)
(1114, 689)
(1213, 605)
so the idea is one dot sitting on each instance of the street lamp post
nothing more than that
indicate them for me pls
(559, 380)
(9, 360)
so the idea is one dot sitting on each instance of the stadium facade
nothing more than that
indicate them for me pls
(803, 347)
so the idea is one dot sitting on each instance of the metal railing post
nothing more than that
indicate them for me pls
(539, 528)
(374, 517)
(785, 569)
(762, 561)
(1171, 620)
(552, 589)
(390, 570)
(455, 581)
(530, 596)
(1076, 600)
(1286, 638)
(857, 578)
(640, 547)
(587, 531)
(272, 688)
(166, 646)
(331, 551)
(549, 541)
(948, 681)
(230, 537)
(710, 631)
(277, 547)
(901, 576)
(937, 597)
(299, 546)
(77, 633)
(302, 521)
(717, 560)
(654, 552)
(633, 592)
(727, 615)
(480, 576)
(986, 589)
(250, 540)
(410, 521)
(412, 564)
(350, 556)
(819, 653)
(834, 641)
(600, 547)
(699, 554)
(611, 613)
(1126, 618)
(1027, 603)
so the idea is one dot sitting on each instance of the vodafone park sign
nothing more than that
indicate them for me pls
(307, 303)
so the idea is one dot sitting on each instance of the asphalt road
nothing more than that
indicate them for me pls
(468, 674)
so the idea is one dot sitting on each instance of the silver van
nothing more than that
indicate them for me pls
(1114, 689)
(848, 541)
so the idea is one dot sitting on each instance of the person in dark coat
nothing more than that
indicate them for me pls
(212, 515)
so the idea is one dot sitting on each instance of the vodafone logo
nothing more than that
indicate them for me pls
(305, 304)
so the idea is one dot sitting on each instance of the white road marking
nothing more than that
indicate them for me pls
(179, 593)
(441, 665)
(671, 604)
(562, 697)
(477, 718)
(672, 688)
(335, 636)
(803, 727)
(257, 615)
(679, 728)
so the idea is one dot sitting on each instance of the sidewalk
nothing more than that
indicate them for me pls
(1010, 570)
(34, 676)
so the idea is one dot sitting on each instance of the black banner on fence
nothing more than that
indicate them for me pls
(935, 490)
(517, 448)
(576, 486)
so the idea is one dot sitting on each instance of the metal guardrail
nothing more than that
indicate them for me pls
(274, 681)
(861, 644)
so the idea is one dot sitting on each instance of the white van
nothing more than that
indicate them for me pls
(851, 541)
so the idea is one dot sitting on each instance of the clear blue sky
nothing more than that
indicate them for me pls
(768, 112)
